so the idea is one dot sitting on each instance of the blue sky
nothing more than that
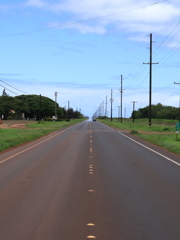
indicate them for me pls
(80, 50)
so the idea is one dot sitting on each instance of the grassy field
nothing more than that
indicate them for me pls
(161, 132)
(11, 137)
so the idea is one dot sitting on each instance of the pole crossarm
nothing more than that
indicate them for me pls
(150, 63)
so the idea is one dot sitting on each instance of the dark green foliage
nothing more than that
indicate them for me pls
(158, 111)
(71, 114)
(32, 106)
(6, 105)
(102, 117)
(134, 132)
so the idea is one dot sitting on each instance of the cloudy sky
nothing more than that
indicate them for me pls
(80, 49)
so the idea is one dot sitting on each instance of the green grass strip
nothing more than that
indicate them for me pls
(14, 137)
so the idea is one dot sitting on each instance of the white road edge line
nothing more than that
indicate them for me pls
(150, 149)
(6, 159)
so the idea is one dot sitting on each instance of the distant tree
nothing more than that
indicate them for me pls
(34, 104)
(69, 113)
(60, 112)
(6, 105)
(77, 115)
(158, 111)
(4, 93)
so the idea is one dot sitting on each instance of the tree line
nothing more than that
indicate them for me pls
(33, 107)
(158, 111)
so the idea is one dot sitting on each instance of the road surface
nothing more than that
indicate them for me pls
(89, 182)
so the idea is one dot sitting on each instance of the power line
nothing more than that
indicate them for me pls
(82, 21)
(8, 89)
(13, 87)
(166, 26)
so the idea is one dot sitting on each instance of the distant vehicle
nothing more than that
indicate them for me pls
(94, 119)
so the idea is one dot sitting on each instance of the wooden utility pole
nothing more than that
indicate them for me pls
(121, 91)
(111, 100)
(133, 110)
(106, 108)
(55, 105)
(40, 108)
(179, 103)
(150, 79)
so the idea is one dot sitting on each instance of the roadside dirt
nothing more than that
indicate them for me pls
(21, 124)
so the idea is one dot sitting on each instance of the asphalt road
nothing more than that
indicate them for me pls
(89, 182)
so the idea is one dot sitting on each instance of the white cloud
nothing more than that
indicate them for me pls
(36, 3)
(126, 15)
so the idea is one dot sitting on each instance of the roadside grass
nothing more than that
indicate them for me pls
(53, 124)
(166, 141)
(15, 136)
(159, 127)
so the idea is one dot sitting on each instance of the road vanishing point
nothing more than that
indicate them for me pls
(89, 181)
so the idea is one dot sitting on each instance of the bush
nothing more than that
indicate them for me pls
(134, 132)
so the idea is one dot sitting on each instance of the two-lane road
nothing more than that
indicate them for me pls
(86, 182)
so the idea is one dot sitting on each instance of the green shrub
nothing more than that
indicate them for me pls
(134, 132)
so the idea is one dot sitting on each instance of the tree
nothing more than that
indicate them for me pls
(69, 113)
(77, 115)
(4, 93)
(6, 105)
(35, 103)
(159, 111)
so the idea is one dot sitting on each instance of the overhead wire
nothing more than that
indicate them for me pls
(8, 89)
(165, 26)
(82, 21)
(13, 87)
(141, 65)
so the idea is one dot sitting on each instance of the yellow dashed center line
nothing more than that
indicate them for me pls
(90, 224)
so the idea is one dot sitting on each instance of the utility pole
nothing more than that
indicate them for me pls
(150, 79)
(118, 113)
(103, 108)
(133, 110)
(179, 103)
(55, 105)
(40, 108)
(106, 108)
(111, 100)
(121, 91)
